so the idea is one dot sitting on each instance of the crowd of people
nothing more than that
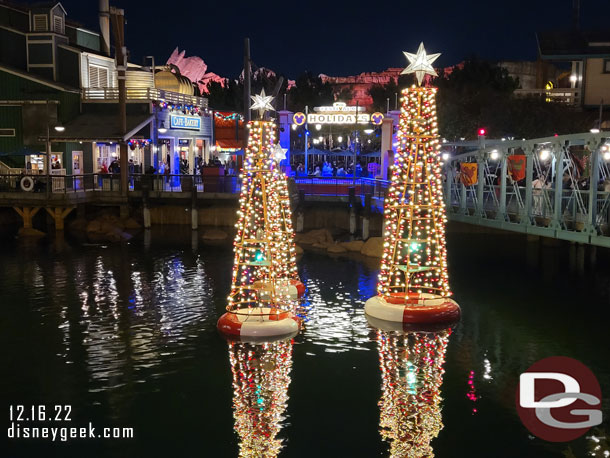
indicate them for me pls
(331, 169)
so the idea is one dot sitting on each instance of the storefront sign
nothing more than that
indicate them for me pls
(185, 122)
(338, 113)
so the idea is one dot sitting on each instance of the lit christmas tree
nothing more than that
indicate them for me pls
(412, 373)
(414, 262)
(261, 375)
(265, 275)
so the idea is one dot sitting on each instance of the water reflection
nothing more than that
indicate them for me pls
(411, 366)
(120, 319)
(261, 375)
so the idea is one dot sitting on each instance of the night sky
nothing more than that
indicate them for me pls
(339, 37)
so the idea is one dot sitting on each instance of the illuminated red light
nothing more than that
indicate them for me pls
(482, 131)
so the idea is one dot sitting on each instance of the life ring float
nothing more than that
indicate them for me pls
(27, 184)
(397, 326)
(413, 308)
(289, 289)
(258, 322)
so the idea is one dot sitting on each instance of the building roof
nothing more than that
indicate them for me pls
(93, 127)
(38, 79)
(567, 44)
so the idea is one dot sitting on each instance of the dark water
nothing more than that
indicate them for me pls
(126, 336)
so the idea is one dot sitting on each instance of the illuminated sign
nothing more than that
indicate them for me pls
(338, 113)
(298, 118)
(377, 118)
(185, 122)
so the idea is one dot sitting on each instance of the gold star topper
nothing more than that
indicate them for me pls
(262, 102)
(420, 63)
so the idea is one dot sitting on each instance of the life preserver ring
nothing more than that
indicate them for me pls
(262, 322)
(27, 184)
(290, 289)
(414, 308)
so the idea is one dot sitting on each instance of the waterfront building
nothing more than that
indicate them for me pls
(59, 95)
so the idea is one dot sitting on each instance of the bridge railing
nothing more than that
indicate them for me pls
(561, 183)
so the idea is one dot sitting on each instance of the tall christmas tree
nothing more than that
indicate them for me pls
(411, 373)
(261, 375)
(265, 254)
(415, 255)
(413, 284)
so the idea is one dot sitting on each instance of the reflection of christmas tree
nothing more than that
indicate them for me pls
(412, 373)
(265, 253)
(414, 258)
(261, 375)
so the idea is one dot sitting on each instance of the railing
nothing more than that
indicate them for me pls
(228, 184)
(64, 184)
(339, 186)
(560, 187)
(559, 94)
(98, 94)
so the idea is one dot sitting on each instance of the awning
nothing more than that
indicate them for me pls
(92, 127)
(229, 144)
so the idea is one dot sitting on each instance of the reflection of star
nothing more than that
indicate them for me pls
(261, 102)
(278, 153)
(420, 63)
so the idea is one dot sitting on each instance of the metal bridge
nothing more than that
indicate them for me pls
(556, 187)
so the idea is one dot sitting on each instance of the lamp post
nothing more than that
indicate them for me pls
(306, 138)
(48, 159)
(355, 144)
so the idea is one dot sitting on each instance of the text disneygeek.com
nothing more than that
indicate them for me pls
(21, 416)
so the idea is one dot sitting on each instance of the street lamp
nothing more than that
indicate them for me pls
(60, 128)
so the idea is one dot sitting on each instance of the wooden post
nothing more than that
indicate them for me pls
(27, 213)
(59, 214)
(118, 22)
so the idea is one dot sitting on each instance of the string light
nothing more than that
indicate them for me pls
(412, 371)
(415, 255)
(265, 253)
(230, 117)
(261, 376)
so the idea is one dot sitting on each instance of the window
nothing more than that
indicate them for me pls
(7, 132)
(98, 76)
(58, 24)
(40, 23)
(606, 68)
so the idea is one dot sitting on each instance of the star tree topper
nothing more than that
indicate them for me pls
(262, 102)
(278, 153)
(420, 63)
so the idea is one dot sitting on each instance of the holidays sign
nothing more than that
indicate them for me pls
(185, 122)
(338, 113)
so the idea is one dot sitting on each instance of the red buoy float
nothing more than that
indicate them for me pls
(414, 308)
(258, 322)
